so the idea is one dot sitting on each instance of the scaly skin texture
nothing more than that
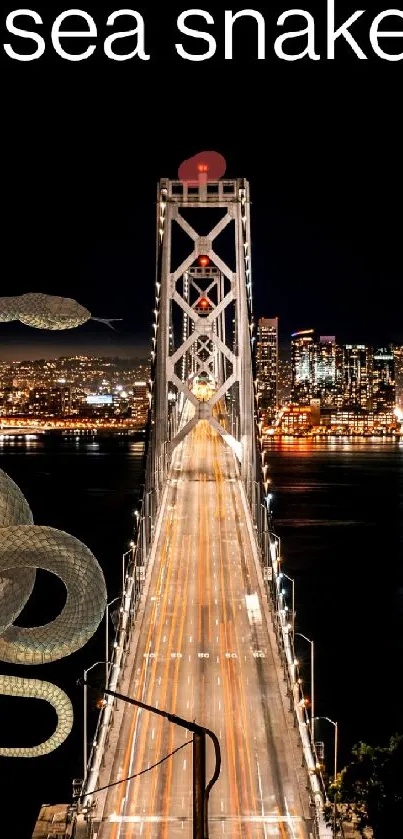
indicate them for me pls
(37, 689)
(44, 311)
(23, 548)
(47, 311)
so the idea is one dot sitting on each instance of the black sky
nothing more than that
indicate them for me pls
(320, 143)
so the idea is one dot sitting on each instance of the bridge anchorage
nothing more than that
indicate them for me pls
(204, 630)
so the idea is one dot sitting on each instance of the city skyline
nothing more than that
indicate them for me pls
(17, 347)
(322, 383)
(326, 387)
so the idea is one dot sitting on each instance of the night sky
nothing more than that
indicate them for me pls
(85, 144)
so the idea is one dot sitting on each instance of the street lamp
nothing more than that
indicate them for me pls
(283, 574)
(85, 713)
(201, 791)
(336, 743)
(277, 549)
(268, 496)
(278, 541)
(126, 553)
(107, 635)
(312, 683)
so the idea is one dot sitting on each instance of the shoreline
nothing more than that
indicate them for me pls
(322, 438)
(35, 431)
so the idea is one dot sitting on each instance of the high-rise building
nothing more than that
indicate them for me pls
(352, 378)
(383, 380)
(356, 382)
(53, 401)
(267, 365)
(327, 370)
(302, 366)
(398, 357)
(140, 402)
(284, 380)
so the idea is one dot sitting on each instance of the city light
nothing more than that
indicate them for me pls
(327, 389)
(76, 393)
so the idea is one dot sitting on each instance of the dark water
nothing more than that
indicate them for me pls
(89, 490)
(338, 509)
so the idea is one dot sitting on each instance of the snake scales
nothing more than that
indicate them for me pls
(24, 547)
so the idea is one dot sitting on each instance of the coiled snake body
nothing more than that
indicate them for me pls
(23, 548)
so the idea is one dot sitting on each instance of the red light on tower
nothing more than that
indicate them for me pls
(202, 168)
(203, 261)
(203, 306)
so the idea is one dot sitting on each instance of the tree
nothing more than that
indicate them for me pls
(370, 788)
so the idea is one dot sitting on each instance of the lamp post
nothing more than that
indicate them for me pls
(336, 745)
(312, 683)
(274, 558)
(278, 548)
(126, 553)
(278, 541)
(201, 791)
(282, 574)
(85, 753)
(268, 498)
(107, 635)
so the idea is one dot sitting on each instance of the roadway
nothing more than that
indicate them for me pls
(205, 653)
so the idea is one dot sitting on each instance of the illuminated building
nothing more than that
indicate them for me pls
(298, 419)
(398, 357)
(326, 374)
(383, 380)
(313, 420)
(302, 366)
(267, 365)
(360, 422)
(284, 381)
(356, 380)
(11, 400)
(140, 402)
(54, 401)
(86, 388)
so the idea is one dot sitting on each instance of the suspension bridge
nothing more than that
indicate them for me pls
(205, 629)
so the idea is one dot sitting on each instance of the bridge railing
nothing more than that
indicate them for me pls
(128, 609)
(269, 549)
(155, 470)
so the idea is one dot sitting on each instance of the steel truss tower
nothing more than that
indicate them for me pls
(203, 320)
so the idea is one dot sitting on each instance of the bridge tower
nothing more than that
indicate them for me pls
(203, 320)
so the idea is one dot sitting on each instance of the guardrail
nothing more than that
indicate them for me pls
(269, 550)
(132, 590)
(133, 587)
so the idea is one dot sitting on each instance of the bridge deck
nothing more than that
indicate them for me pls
(205, 652)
